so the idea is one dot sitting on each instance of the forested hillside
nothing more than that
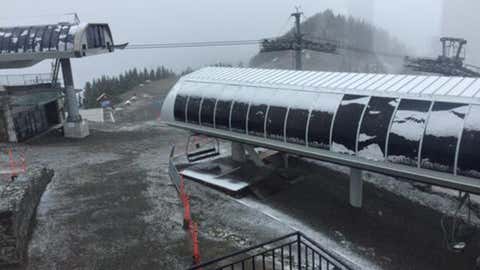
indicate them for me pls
(117, 85)
(362, 38)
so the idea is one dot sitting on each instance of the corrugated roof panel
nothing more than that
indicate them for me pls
(273, 77)
(472, 89)
(238, 75)
(412, 84)
(397, 86)
(353, 79)
(308, 75)
(391, 82)
(298, 76)
(360, 81)
(265, 74)
(381, 82)
(287, 78)
(323, 83)
(435, 86)
(343, 80)
(335, 80)
(426, 83)
(373, 80)
(448, 86)
(461, 87)
(253, 77)
(319, 79)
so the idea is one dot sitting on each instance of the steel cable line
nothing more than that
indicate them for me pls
(140, 46)
(228, 43)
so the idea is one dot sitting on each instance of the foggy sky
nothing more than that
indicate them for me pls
(418, 23)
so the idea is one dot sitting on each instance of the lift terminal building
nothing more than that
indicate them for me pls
(34, 103)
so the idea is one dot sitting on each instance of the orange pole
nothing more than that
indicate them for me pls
(196, 249)
(186, 213)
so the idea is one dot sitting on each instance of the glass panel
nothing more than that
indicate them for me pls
(258, 111)
(63, 38)
(55, 38)
(375, 124)
(321, 120)
(297, 125)
(37, 45)
(346, 123)
(207, 109)
(23, 39)
(206, 114)
(299, 108)
(193, 108)
(469, 152)
(224, 104)
(240, 109)
(179, 107)
(441, 136)
(275, 122)
(408, 127)
(47, 36)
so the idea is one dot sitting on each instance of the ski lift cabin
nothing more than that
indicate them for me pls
(423, 128)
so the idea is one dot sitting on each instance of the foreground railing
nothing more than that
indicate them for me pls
(293, 252)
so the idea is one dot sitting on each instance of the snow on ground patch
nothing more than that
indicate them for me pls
(319, 237)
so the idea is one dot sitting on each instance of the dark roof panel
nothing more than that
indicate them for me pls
(32, 44)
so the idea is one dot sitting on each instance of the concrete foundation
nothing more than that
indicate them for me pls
(18, 203)
(76, 130)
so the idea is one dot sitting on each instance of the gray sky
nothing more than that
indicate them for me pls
(416, 22)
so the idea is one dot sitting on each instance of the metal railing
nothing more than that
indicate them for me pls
(172, 170)
(25, 79)
(294, 251)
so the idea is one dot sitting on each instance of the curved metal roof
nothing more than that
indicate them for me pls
(417, 127)
(433, 87)
(27, 45)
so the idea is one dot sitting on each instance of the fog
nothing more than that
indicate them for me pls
(418, 23)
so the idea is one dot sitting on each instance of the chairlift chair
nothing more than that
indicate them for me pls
(198, 150)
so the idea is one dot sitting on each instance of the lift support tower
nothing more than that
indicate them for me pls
(297, 43)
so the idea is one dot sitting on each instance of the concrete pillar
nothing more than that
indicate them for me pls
(253, 155)
(74, 127)
(356, 188)
(238, 153)
(285, 160)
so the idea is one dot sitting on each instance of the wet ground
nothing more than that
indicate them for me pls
(111, 206)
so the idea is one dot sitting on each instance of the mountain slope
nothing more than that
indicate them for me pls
(347, 32)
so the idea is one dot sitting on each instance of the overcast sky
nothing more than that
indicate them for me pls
(418, 23)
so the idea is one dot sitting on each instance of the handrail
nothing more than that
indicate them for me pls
(243, 251)
(328, 253)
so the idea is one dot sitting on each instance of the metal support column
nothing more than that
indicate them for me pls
(74, 127)
(356, 188)
(70, 97)
(298, 41)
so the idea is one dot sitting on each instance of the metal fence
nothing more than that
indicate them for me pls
(25, 79)
(291, 252)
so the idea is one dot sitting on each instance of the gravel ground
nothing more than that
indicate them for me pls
(111, 206)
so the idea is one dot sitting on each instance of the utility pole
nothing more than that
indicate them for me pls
(298, 40)
(298, 43)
